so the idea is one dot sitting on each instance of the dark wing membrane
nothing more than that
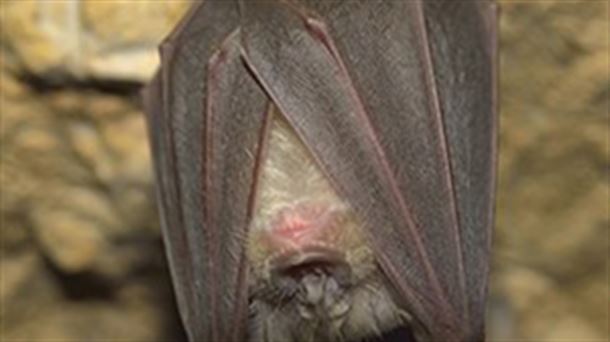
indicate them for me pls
(296, 61)
(206, 113)
(357, 80)
(175, 239)
(464, 64)
(385, 49)
(236, 111)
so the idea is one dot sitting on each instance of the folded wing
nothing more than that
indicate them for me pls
(394, 100)
(206, 114)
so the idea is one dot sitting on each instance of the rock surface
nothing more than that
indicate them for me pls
(551, 240)
(81, 255)
(109, 40)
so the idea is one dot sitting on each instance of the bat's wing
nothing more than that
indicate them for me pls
(395, 101)
(466, 90)
(205, 115)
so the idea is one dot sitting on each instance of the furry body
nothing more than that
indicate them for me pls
(348, 302)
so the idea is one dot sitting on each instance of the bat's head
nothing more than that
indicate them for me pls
(313, 273)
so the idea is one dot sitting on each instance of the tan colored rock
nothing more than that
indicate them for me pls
(85, 140)
(127, 34)
(127, 22)
(47, 306)
(543, 312)
(552, 220)
(71, 241)
(42, 34)
(127, 140)
(74, 166)
(574, 328)
(14, 272)
(110, 40)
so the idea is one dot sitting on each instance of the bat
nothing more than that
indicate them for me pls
(325, 169)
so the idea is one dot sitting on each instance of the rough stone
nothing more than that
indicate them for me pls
(552, 217)
(72, 242)
(108, 40)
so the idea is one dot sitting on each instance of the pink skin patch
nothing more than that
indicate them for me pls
(304, 226)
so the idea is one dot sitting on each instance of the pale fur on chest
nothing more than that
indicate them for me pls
(290, 177)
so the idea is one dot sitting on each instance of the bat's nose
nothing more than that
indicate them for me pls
(303, 241)
(302, 226)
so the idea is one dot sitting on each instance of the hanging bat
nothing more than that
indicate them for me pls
(325, 169)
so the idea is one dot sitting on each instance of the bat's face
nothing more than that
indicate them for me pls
(313, 275)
